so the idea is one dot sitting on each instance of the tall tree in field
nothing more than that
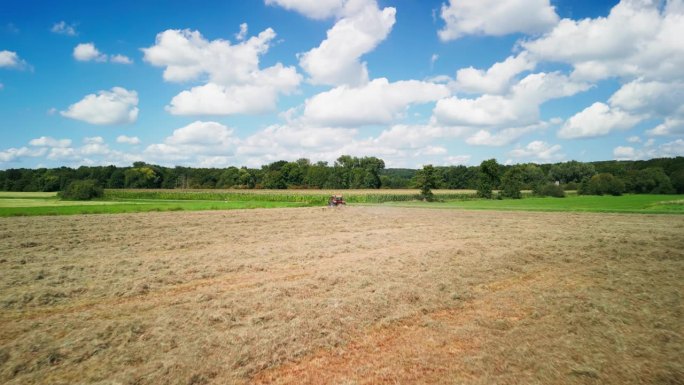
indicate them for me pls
(426, 181)
(488, 178)
(511, 183)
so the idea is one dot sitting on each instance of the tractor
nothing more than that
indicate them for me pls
(336, 200)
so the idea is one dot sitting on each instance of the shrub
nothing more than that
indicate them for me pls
(549, 190)
(601, 184)
(511, 183)
(81, 190)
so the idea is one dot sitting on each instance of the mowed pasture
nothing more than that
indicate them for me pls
(360, 295)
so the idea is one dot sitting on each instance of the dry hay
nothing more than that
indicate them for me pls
(354, 296)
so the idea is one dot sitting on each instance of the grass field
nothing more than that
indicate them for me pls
(644, 203)
(127, 201)
(27, 204)
(364, 295)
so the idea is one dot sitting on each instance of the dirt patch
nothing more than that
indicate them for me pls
(361, 295)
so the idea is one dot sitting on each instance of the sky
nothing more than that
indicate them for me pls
(413, 82)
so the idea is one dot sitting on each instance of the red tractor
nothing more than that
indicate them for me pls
(336, 200)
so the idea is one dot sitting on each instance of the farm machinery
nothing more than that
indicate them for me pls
(336, 200)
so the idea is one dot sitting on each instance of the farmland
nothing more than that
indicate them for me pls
(128, 201)
(363, 295)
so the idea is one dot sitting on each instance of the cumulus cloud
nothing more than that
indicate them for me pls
(258, 97)
(376, 102)
(655, 98)
(314, 9)
(62, 28)
(197, 139)
(243, 32)
(597, 120)
(10, 59)
(88, 52)
(624, 153)
(336, 60)
(669, 127)
(127, 139)
(47, 141)
(672, 149)
(649, 151)
(518, 108)
(496, 18)
(14, 154)
(538, 150)
(496, 80)
(234, 83)
(503, 137)
(639, 38)
(120, 59)
(118, 106)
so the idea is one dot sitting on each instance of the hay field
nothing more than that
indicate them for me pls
(360, 295)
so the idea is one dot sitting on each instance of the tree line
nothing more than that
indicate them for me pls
(662, 175)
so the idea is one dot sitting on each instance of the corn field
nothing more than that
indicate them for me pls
(313, 197)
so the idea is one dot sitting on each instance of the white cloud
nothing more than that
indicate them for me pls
(12, 154)
(258, 97)
(624, 153)
(634, 139)
(120, 59)
(519, 108)
(314, 9)
(127, 139)
(496, 80)
(376, 102)
(94, 146)
(63, 28)
(336, 60)
(197, 139)
(243, 32)
(10, 59)
(433, 59)
(457, 160)
(495, 17)
(88, 52)
(118, 106)
(233, 84)
(649, 151)
(639, 38)
(597, 120)
(538, 150)
(658, 99)
(672, 149)
(503, 137)
(47, 141)
(671, 126)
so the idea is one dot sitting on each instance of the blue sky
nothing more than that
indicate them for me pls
(219, 83)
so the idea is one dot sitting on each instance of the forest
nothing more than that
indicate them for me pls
(662, 175)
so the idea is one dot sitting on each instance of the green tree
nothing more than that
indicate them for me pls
(601, 184)
(488, 178)
(677, 179)
(572, 171)
(511, 183)
(81, 190)
(426, 181)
